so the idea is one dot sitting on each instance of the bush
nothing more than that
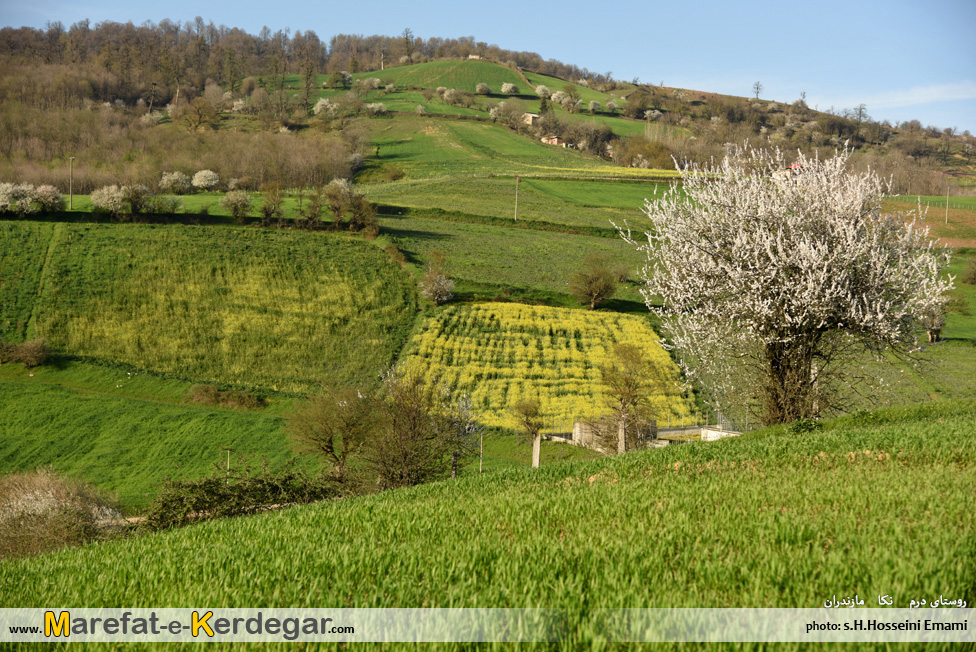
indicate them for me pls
(437, 287)
(594, 283)
(42, 511)
(211, 395)
(968, 275)
(32, 353)
(109, 199)
(221, 495)
(238, 202)
(205, 180)
(17, 198)
(482, 89)
(176, 183)
(49, 198)
(804, 426)
(510, 89)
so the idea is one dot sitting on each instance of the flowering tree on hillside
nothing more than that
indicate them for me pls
(776, 280)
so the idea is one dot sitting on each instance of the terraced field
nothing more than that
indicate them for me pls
(272, 309)
(502, 353)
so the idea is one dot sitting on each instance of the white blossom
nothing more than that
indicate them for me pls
(777, 282)
(205, 180)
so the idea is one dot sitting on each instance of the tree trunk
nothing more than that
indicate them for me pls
(621, 438)
(536, 450)
(454, 460)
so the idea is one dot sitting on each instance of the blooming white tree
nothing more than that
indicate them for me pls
(18, 198)
(774, 286)
(175, 182)
(543, 91)
(109, 199)
(482, 89)
(205, 180)
(509, 89)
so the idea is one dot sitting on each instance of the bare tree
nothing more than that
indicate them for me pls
(528, 412)
(594, 283)
(774, 286)
(757, 88)
(334, 425)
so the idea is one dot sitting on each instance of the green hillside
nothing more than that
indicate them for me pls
(127, 446)
(768, 520)
(463, 75)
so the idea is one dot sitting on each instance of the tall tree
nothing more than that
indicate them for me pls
(774, 284)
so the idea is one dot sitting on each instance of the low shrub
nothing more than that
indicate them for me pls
(32, 353)
(968, 275)
(211, 395)
(42, 511)
(221, 495)
(804, 426)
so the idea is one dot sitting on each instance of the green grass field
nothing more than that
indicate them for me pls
(557, 201)
(867, 505)
(272, 309)
(507, 257)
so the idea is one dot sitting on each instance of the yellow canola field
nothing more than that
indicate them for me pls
(500, 353)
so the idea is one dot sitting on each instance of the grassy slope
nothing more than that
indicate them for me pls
(464, 75)
(573, 203)
(506, 257)
(123, 445)
(768, 520)
(125, 432)
(251, 307)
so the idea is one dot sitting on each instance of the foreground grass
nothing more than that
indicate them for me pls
(877, 504)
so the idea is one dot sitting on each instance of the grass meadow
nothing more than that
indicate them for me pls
(878, 504)
(502, 353)
(556, 201)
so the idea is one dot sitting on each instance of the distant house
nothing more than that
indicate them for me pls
(553, 139)
(530, 118)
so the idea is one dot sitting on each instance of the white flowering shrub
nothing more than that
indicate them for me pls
(238, 202)
(175, 182)
(612, 106)
(509, 89)
(205, 180)
(17, 198)
(109, 199)
(375, 108)
(559, 97)
(772, 286)
(437, 287)
(543, 92)
(594, 106)
(48, 198)
(482, 89)
(239, 106)
(151, 119)
(420, 110)
(450, 96)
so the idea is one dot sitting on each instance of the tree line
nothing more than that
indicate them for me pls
(159, 62)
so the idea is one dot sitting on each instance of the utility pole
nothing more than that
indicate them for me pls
(947, 204)
(71, 198)
(516, 197)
